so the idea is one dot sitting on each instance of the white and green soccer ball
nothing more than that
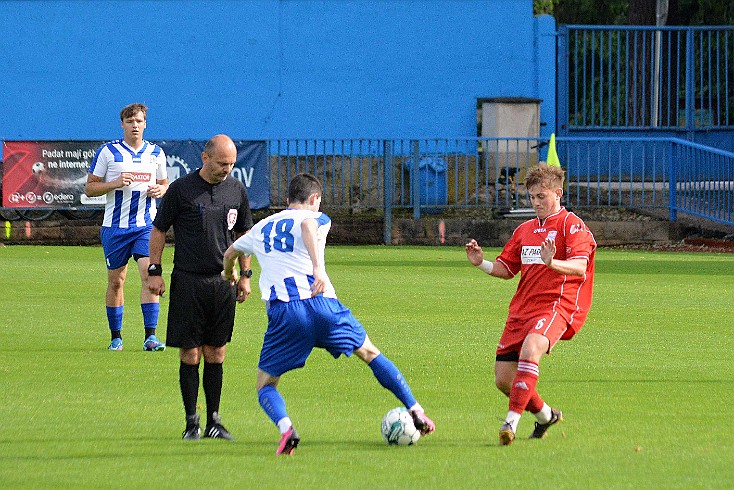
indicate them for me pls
(398, 428)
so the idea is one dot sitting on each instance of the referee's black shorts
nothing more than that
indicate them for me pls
(200, 310)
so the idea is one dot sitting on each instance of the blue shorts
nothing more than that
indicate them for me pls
(120, 244)
(296, 327)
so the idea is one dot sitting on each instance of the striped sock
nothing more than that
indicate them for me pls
(523, 386)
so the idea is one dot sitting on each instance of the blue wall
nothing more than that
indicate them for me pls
(264, 69)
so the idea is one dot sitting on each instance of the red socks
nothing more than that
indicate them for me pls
(522, 394)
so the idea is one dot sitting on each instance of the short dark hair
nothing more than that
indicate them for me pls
(302, 186)
(132, 109)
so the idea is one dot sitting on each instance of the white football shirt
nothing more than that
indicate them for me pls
(129, 207)
(286, 268)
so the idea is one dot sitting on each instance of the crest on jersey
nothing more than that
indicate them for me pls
(231, 218)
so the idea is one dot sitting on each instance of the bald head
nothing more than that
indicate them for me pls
(218, 158)
(220, 142)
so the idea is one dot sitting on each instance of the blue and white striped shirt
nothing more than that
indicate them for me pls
(129, 207)
(286, 268)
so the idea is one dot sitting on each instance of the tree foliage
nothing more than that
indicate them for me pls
(636, 12)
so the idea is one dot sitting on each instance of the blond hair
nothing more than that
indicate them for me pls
(546, 176)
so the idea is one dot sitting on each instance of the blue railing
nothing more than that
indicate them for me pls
(639, 173)
(455, 172)
(703, 179)
(434, 175)
(633, 173)
(634, 77)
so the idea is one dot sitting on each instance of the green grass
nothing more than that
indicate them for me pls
(646, 387)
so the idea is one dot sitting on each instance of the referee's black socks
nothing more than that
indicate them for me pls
(212, 388)
(188, 378)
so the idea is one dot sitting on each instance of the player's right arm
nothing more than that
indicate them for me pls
(242, 246)
(475, 255)
(96, 186)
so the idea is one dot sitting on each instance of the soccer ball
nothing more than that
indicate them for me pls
(398, 428)
(37, 168)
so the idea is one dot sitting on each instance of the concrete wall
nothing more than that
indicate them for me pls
(368, 230)
(267, 69)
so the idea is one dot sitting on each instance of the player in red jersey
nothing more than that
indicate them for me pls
(554, 254)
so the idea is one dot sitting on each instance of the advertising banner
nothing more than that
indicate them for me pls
(46, 174)
(184, 156)
(52, 174)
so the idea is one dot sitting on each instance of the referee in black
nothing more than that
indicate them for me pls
(208, 211)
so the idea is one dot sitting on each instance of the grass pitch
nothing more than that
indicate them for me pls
(646, 387)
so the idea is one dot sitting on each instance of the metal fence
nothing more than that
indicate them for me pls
(703, 179)
(438, 175)
(430, 175)
(451, 173)
(635, 77)
(640, 173)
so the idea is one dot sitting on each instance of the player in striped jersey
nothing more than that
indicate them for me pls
(554, 254)
(131, 172)
(303, 310)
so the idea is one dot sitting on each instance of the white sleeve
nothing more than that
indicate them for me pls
(160, 170)
(100, 166)
(245, 243)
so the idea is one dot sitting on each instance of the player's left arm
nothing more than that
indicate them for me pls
(309, 232)
(570, 267)
(160, 187)
(578, 243)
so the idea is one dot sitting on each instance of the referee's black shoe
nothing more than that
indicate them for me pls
(215, 429)
(193, 430)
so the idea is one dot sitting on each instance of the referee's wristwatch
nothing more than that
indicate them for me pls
(246, 273)
(155, 270)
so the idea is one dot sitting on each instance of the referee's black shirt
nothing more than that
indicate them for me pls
(204, 217)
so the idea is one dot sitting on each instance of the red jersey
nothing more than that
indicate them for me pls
(540, 287)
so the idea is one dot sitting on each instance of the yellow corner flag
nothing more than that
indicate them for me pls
(552, 159)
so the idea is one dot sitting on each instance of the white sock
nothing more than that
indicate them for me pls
(417, 407)
(284, 424)
(545, 414)
(513, 418)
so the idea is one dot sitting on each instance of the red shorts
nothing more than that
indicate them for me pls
(551, 325)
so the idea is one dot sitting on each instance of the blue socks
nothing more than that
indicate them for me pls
(384, 370)
(272, 402)
(150, 314)
(390, 377)
(114, 317)
(150, 317)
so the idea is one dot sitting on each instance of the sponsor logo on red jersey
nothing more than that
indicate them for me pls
(530, 254)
